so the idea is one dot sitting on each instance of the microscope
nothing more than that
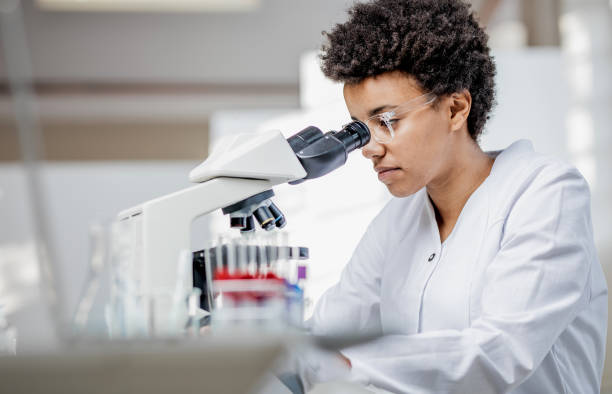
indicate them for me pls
(238, 178)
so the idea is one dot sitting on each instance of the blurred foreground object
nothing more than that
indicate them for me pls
(47, 307)
(149, 367)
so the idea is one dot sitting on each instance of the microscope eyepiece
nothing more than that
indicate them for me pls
(353, 135)
(318, 154)
(303, 138)
(328, 151)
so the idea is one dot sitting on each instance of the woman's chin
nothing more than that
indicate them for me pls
(400, 191)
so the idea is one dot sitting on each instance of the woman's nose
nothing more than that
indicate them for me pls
(373, 149)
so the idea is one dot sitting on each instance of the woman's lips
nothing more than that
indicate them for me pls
(386, 173)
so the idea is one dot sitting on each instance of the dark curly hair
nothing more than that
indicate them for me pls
(438, 42)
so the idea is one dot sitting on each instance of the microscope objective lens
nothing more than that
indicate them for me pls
(238, 222)
(279, 218)
(249, 225)
(264, 217)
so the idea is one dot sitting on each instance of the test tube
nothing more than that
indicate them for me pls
(231, 256)
(272, 248)
(252, 257)
(219, 255)
(283, 256)
(241, 245)
(264, 265)
(295, 252)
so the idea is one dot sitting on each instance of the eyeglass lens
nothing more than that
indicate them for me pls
(379, 129)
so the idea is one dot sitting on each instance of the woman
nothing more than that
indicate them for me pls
(482, 272)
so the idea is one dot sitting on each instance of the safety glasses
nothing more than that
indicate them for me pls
(382, 125)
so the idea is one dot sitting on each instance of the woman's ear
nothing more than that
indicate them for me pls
(460, 104)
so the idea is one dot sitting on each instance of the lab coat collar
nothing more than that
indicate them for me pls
(509, 162)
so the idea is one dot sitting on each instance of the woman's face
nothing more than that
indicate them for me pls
(420, 150)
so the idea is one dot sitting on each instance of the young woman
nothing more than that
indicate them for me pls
(482, 272)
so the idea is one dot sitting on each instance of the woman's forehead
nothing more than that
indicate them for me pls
(383, 91)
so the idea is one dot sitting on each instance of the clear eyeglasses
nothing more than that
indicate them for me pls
(381, 125)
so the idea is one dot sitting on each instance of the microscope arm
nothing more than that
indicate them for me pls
(161, 229)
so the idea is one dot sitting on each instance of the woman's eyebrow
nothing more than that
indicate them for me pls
(376, 110)
(380, 109)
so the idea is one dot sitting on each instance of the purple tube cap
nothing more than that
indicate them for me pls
(301, 274)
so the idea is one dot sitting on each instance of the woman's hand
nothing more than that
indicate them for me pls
(345, 360)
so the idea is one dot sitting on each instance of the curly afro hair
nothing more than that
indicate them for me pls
(438, 42)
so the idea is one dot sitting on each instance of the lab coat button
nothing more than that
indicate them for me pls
(433, 255)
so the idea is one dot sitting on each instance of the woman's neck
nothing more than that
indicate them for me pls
(467, 169)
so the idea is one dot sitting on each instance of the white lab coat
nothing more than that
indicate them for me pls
(514, 300)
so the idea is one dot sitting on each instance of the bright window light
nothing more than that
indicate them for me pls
(150, 5)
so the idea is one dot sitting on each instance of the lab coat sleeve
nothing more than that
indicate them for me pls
(353, 304)
(534, 287)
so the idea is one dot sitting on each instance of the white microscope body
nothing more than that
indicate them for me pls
(241, 167)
